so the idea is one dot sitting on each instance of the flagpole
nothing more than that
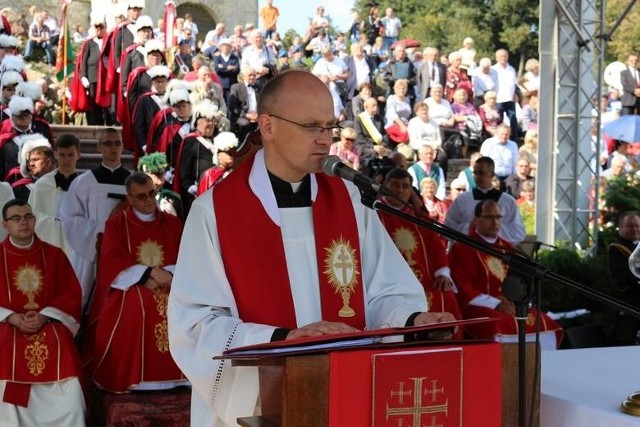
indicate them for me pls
(64, 64)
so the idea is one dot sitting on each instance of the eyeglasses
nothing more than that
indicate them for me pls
(109, 143)
(491, 217)
(460, 189)
(312, 128)
(17, 219)
(349, 139)
(143, 197)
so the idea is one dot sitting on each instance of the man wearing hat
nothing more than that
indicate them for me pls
(134, 54)
(183, 61)
(227, 67)
(8, 45)
(22, 122)
(155, 166)
(196, 152)
(224, 143)
(170, 125)
(36, 160)
(125, 34)
(90, 57)
(8, 82)
(139, 81)
(149, 103)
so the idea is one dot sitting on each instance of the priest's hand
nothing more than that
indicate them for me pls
(152, 285)
(506, 307)
(321, 328)
(442, 283)
(436, 317)
(18, 321)
(35, 320)
(161, 276)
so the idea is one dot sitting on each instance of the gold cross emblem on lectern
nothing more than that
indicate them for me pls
(425, 403)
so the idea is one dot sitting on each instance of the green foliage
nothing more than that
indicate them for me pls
(590, 272)
(445, 23)
(619, 195)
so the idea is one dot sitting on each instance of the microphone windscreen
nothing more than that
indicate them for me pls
(329, 165)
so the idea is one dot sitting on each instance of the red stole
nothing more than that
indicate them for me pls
(33, 279)
(254, 259)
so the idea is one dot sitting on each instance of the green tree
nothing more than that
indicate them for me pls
(445, 23)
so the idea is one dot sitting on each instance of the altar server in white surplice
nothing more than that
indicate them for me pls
(92, 198)
(49, 192)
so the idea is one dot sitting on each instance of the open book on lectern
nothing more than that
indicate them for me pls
(342, 341)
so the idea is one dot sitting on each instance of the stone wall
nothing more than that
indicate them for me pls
(231, 12)
(18, 11)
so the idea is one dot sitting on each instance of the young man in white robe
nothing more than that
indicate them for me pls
(92, 198)
(49, 192)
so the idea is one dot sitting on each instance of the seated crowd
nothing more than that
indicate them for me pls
(116, 232)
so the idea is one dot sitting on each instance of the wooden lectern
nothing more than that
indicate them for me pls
(326, 389)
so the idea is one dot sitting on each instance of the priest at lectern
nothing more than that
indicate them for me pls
(278, 251)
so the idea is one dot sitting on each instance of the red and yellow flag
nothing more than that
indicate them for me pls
(65, 58)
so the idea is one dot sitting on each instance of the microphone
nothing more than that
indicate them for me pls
(333, 166)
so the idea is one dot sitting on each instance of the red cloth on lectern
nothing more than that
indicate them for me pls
(351, 385)
(128, 329)
(261, 288)
(33, 279)
(477, 273)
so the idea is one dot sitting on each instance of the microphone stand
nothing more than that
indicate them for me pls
(517, 287)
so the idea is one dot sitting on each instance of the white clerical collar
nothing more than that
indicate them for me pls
(295, 186)
(261, 186)
(145, 217)
(112, 169)
(27, 246)
(491, 240)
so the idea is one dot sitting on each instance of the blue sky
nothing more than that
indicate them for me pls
(297, 13)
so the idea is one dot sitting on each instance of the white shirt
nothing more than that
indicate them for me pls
(507, 82)
(505, 156)
(363, 72)
(421, 133)
(460, 214)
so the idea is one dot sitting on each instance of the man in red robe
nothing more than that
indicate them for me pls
(479, 278)
(127, 346)
(40, 302)
(424, 251)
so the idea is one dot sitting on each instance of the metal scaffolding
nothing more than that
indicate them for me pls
(573, 39)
